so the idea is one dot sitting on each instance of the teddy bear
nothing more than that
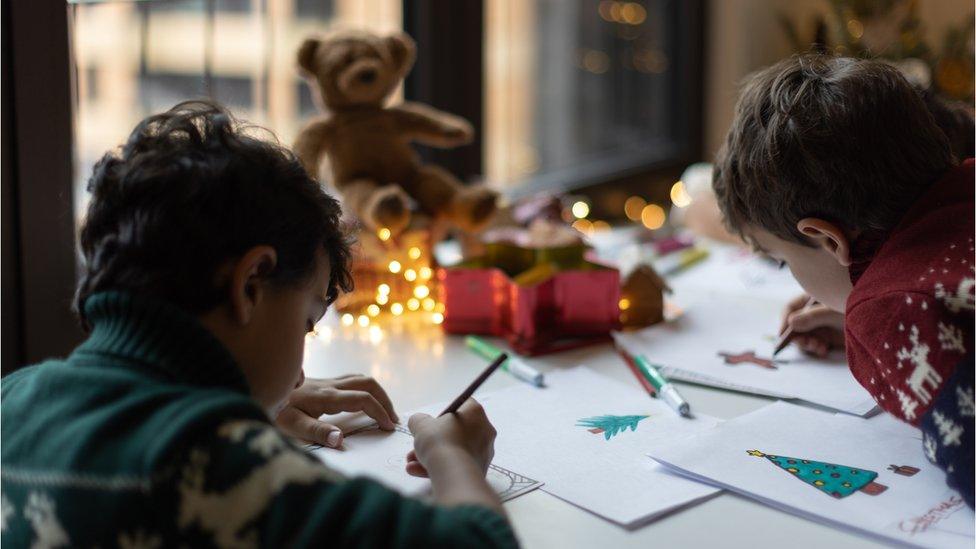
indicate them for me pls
(367, 144)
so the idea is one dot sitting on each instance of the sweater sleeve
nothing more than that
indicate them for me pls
(247, 485)
(902, 347)
(947, 430)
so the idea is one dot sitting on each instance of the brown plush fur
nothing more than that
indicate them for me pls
(368, 144)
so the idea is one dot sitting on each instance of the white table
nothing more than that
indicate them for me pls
(419, 365)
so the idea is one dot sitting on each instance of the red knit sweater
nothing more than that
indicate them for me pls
(909, 318)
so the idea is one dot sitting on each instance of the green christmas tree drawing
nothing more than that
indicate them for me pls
(835, 480)
(610, 425)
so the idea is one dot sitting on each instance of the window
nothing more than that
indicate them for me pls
(573, 93)
(133, 59)
(584, 92)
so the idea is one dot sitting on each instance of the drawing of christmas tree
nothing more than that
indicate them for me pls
(610, 425)
(838, 481)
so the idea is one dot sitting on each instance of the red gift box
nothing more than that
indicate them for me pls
(540, 300)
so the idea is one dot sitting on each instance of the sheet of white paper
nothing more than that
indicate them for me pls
(737, 326)
(603, 472)
(381, 455)
(736, 271)
(915, 508)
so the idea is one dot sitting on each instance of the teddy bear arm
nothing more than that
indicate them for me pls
(427, 125)
(312, 142)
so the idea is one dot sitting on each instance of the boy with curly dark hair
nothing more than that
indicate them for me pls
(209, 254)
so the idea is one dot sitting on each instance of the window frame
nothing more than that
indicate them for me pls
(451, 60)
(39, 267)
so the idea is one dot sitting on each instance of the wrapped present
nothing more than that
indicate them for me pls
(541, 299)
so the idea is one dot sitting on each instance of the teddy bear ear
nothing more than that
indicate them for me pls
(306, 54)
(402, 49)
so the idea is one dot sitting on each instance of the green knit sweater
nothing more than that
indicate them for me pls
(146, 436)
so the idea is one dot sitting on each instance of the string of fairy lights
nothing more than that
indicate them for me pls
(407, 284)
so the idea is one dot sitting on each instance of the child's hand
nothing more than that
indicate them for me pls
(352, 393)
(819, 329)
(467, 432)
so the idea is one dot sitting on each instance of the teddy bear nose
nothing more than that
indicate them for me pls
(367, 76)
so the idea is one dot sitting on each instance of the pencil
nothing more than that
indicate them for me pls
(787, 336)
(629, 361)
(453, 407)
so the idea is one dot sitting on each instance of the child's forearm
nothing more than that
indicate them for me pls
(458, 480)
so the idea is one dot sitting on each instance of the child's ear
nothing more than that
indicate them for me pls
(827, 236)
(306, 54)
(403, 50)
(249, 280)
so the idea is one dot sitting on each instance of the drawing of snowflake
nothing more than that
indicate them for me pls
(923, 374)
(962, 298)
(951, 338)
(6, 511)
(930, 447)
(40, 512)
(908, 404)
(964, 400)
(950, 430)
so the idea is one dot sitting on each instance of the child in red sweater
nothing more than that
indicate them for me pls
(835, 167)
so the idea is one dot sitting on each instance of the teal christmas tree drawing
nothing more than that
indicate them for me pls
(835, 480)
(610, 425)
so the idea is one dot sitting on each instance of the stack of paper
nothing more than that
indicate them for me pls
(381, 455)
(586, 437)
(728, 342)
(840, 470)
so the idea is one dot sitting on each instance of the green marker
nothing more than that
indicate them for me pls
(665, 389)
(512, 365)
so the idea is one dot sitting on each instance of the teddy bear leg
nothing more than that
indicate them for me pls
(440, 193)
(378, 206)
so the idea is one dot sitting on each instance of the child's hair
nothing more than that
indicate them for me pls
(190, 189)
(841, 139)
(955, 119)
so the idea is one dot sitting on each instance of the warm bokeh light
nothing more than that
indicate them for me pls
(624, 304)
(633, 207)
(414, 253)
(384, 234)
(653, 216)
(413, 304)
(679, 195)
(373, 310)
(363, 320)
(421, 292)
(382, 299)
(410, 275)
(599, 226)
(383, 289)
(580, 209)
(429, 304)
(395, 267)
(426, 273)
(583, 225)
(348, 319)
(633, 13)
(596, 61)
(437, 318)
(396, 309)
